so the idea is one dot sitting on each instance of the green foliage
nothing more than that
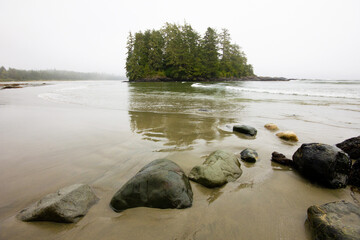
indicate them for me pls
(13, 74)
(178, 52)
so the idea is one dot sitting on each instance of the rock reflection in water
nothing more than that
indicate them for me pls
(173, 113)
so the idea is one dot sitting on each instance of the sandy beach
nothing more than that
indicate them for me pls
(102, 132)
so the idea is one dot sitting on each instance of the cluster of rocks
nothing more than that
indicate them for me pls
(163, 184)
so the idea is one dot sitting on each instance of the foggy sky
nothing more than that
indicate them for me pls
(289, 38)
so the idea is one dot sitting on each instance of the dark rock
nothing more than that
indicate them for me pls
(323, 163)
(336, 220)
(354, 178)
(218, 169)
(248, 130)
(160, 184)
(249, 155)
(281, 159)
(351, 146)
(67, 205)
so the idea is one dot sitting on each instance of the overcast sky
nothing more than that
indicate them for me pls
(289, 38)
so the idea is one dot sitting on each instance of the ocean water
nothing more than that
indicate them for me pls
(103, 132)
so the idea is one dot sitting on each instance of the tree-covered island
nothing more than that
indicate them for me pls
(179, 53)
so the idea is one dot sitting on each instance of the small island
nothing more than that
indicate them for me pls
(179, 53)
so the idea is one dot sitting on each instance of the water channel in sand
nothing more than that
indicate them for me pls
(102, 132)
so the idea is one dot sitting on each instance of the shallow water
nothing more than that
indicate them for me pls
(103, 132)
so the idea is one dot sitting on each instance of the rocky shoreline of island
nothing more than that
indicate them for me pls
(232, 79)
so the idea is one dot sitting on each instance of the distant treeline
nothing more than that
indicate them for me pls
(179, 53)
(13, 74)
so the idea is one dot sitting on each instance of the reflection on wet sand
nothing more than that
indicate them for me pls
(170, 114)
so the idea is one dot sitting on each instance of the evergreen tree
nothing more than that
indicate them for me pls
(210, 54)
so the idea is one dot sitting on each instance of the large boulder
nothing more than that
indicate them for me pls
(336, 220)
(351, 146)
(67, 205)
(160, 184)
(218, 169)
(244, 129)
(249, 155)
(354, 178)
(323, 163)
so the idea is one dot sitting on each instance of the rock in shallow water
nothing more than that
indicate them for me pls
(160, 184)
(248, 130)
(249, 155)
(336, 220)
(281, 159)
(218, 169)
(271, 127)
(67, 205)
(351, 146)
(323, 163)
(288, 136)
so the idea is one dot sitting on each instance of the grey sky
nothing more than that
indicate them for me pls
(290, 38)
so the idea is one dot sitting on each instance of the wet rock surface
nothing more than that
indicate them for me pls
(271, 127)
(336, 220)
(351, 147)
(160, 184)
(323, 163)
(288, 136)
(249, 155)
(67, 205)
(281, 159)
(354, 178)
(218, 169)
(245, 129)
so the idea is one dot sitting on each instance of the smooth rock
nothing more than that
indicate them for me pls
(248, 130)
(271, 127)
(249, 155)
(354, 178)
(218, 169)
(160, 184)
(281, 159)
(335, 220)
(351, 146)
(288, 136)
(323, 163)
(67, 205)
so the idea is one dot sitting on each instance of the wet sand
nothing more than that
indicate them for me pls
(47, 144)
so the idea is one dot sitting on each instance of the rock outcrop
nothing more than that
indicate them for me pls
(67, 205)
(351, 147)
(249, 155)
(218, 169)
(323, 163)
(336, 220)
(160, 184)
(244, 129)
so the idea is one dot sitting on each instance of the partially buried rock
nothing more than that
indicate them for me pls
(336, 220)
(249, 155)
(271, 127)
(248, 130)
(281, 159)
(351, 146)
(67, 205)
(160, 184)
(288, 136)
(354, 178)
(218, 169)
(323, 163)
